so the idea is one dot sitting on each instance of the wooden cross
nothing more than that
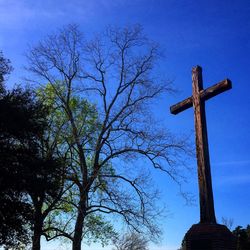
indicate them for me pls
(197, 100)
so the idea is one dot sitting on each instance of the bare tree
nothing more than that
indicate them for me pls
(132, 241)
(111, 153)
(228, 222)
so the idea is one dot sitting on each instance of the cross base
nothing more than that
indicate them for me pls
(209, 236)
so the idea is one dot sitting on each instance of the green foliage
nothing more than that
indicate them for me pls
(84, 114)
(97, 229)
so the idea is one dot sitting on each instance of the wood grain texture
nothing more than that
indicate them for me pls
(207, 213)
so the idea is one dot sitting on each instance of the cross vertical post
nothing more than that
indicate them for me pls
(207, 213)
(197, 100)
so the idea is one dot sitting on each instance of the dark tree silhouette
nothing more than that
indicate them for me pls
(243, 237)
(29, 175)
(16, 145)
(14, 211)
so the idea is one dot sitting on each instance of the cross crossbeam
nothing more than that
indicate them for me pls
(204, 95)
(197, 100)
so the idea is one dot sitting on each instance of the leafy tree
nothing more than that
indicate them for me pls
(109, 152)
(14, 211)
(17, 129)
(30, 175)
(243, 237)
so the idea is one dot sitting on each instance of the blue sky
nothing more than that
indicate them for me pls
(213, 34)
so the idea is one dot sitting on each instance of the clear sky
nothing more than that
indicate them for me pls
(214, 34)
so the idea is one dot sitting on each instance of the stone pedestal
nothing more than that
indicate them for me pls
(204, 236)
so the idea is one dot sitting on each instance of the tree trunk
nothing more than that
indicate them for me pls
(36, 240)
(77, 239)
(38, 223)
